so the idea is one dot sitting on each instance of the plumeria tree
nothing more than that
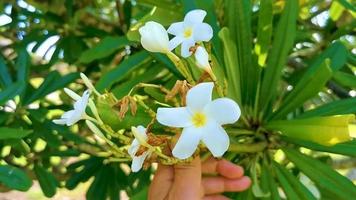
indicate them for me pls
(167, 81)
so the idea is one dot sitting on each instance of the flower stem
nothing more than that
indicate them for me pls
(248, 148)
(181, 67)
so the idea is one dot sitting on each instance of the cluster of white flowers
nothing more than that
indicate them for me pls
(191, 31)
(201, 119)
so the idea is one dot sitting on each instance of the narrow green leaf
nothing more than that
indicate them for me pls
(306, 88)
(322, 175)
(346, 148)
(268, 182)
(231, 64)
(282, 43)
(107, 46)
(301, 191)
(47, 181)
(264, 31)
(14, 178)
(338, 107)
(22, 66)
(13, 133)
(288, 189)
(11, 91)
(188, 5)
(322, 130)
(121, 70)
(4, 74)
(345, 79)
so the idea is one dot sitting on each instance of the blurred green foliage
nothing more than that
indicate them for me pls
(281, 60)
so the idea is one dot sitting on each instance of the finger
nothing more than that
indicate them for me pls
(187, 180)
(215, 185)
(223, 167)
(161, 183)
(215, 197)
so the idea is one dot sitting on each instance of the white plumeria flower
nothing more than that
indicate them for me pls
(73, 116)
(201, 120)
(190, 31)
(202, 58)
(154, 37)
(140, 139)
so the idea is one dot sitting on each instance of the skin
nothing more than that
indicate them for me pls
(198, 180)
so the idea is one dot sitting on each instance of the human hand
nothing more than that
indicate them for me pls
(190, 181)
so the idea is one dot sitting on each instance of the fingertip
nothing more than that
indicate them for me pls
(238, 185)
(229, 169)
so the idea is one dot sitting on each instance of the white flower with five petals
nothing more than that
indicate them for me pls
(201, 120)
(154, 37)
(190, 31)
(140, 139)
(73, 116)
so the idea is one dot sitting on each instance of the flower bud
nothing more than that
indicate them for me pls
(202, 58)
(154, 37)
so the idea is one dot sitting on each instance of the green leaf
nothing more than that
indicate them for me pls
(115, 75)
(231, 65)
(99, 187)
(336, 10)
(13, 133)
(14, 178)
(311, 83)
(322, 130)
(268, 182)
(107, 46)
(47, 181)
(11, 91)
(282, 43)
(22, 66)
(4, 74)
(291, 184)
(264, 31)
(346, 148)
(53, 82)
(140, 195)
(338, 107)
(239, 23)
(322, 175)
(345, 79)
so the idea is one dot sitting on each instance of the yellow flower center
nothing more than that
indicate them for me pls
(188, 32)
(199, 119)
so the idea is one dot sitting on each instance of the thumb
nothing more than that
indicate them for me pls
(187, 180)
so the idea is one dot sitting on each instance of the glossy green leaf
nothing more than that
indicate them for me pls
(322, 130)
(346, 148)
(22, 66)
(268, 182)
(345, 79)
(11, 91)
(104, 48)
(14, 178)
(264, 31)
(338, 107)
(282, 43)
(115, 75)
(291, 184)
(4, 74)
(13, 133)
(46, 180)
(306, 88)
(322, 175)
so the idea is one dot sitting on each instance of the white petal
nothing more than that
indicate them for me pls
(202, 32)
(215, 138)
(202, 58)
(187, 142)
(59, 121)
(173, 43)
(175, 117)
(82, 103)
(74, 119)
(137, 162)
(68, 114)
(195, 16)
(199, 96)
(72, 94)
(133, 148)
(176, 29)
(154, 37)
(186, 44)
(223, 110)
(142, 131)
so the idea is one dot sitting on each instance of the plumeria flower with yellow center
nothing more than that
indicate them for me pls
(140, 139)
(73, 116)
(154, 37)
(201, 120)
(191, 30)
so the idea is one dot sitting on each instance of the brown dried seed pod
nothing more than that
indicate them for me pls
(174, 91)
(133, 106)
